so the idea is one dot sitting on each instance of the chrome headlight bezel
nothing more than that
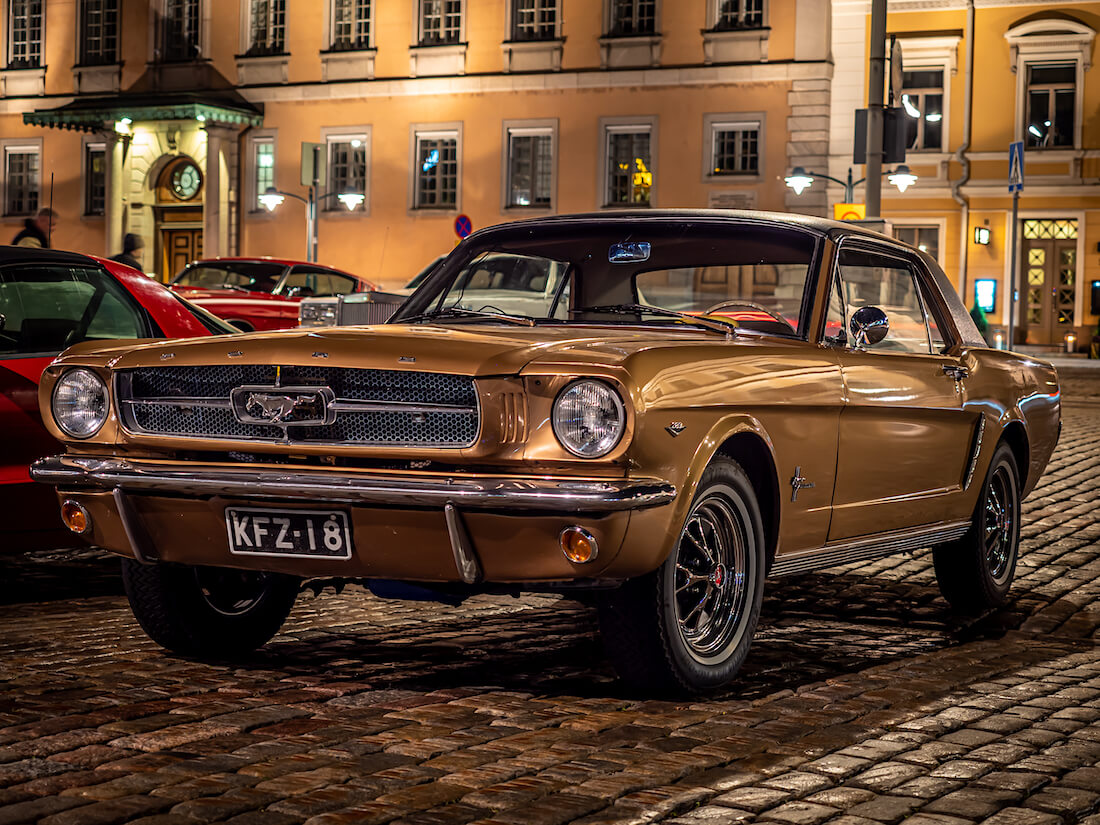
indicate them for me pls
(98, 413)
(602, 446)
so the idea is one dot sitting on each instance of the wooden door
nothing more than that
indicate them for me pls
(1050, 275)
(181, 246)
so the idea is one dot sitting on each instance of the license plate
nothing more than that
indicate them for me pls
(312, 533)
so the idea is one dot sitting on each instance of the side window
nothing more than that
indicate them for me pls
(317, 283)
(46, 309)
(870, 279)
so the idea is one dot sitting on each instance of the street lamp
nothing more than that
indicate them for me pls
(800, 180)
(273, 198)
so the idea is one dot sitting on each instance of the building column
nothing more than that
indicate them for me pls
(215, 202)
(114, 206)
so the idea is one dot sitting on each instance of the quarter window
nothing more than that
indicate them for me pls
(1051, 104)
(436, 171)
(347, 168)
(95, 179)
(180, 30)
(735, 148)
(739, 14)
(20, 181)
(440, 22)
(350, 25)
(24, 34)
(267, 27)
(633, 17)
(98, 32)
(530, 167)
(534, 19)
(922, 103)
(629, 166)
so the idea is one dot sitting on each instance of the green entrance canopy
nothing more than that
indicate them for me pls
(92, 114)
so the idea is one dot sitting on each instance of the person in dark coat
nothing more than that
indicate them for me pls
(130, 244)
(36, 231)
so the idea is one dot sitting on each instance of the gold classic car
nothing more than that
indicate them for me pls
(657, 410)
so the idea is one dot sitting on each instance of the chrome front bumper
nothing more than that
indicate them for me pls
(482, 492)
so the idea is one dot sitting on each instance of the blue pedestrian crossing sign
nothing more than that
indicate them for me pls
(1016, 166)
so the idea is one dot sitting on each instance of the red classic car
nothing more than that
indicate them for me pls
(50, 300)
(261, 293)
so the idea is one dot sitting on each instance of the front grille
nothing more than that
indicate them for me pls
(195, 402)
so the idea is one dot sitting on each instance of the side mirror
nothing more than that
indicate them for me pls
(869, 325)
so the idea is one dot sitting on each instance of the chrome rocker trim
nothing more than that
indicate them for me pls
(867, 548)
(544, 495)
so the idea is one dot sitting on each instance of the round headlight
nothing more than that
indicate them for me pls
(589, 418)
(80, 403)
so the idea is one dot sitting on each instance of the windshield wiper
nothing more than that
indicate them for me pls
(462, 312)
(727, 328)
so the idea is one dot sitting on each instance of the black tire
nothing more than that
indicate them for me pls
(211, 612)
(653, 635)
(975, 572)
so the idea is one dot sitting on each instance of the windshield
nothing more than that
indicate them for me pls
(253, 276)
(615, 272)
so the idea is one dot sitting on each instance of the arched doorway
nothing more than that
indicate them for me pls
(179, 199)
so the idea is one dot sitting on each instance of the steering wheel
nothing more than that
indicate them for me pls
(752, 305)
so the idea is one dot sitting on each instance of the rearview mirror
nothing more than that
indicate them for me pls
(628, 252)
(869, 325)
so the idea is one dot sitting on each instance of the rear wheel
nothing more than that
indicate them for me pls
(208, 611)
(975, 572)
(688, 625)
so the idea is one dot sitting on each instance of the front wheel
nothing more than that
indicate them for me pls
(215, 612)
(688, 625)
(975, 572)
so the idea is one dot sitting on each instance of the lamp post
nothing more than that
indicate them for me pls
(799, 180)
(272, 198)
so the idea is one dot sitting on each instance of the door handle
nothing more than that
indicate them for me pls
(956, 371)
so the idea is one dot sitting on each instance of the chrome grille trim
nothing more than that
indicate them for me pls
(371, 407)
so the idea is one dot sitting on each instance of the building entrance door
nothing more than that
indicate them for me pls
(1050, 273)
(181, 246)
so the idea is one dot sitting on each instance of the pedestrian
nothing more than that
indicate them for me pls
(132, 246)
(36, 231)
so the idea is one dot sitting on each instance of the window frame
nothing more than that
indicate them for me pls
(255, 138)
(460, 33)
(7, 148)
(88, 148)
(161, 38)
(512, 22)
(715, 13)
(355, 46)
(346, 134)
(104, 58)
(433, 131)
(712, 125)
(620, 125)
(37, 62)
(944, 106)
(1051, 89)
(612, 27)
(527, 128)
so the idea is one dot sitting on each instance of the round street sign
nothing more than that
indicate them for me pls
(463, 226)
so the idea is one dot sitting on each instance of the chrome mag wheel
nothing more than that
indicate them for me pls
(998, 523)
(712, 577)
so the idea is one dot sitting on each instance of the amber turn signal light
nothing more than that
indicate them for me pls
(578, 544)
(76, 518)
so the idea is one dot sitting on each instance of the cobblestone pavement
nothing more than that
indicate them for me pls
(863, 701)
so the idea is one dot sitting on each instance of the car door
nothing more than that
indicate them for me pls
(904, 435)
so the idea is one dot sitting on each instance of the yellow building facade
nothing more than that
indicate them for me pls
(170, 118)
(977, 77)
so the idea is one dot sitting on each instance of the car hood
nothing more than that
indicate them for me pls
(466, 349)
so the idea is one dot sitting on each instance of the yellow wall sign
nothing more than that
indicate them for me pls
(849, 211)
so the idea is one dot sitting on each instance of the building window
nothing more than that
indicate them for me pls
(98, 32)
(735, 148)
(924, 238)
(350, 25)
(347, 168)
(24, 34)
(629, 166)
(180, 31)
(267, 27)
(1051, 104)
(263, 153)
(530, 167)
(95, 178)
(436, 171)
(922, 102)
(631, 17)
(20, 181)
(534, 19)
(440, 22)
(739, 14)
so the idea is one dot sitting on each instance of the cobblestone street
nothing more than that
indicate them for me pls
(863, 700)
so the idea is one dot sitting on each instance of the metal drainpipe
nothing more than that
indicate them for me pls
(960, 154)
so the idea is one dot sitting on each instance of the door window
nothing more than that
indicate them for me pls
(46, 309)
(870, 279)
(307, 282)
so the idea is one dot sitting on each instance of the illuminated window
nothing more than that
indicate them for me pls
(629, 166)
(922, 103)
(436, 170)
(98, 32)
(263, 151)
(24, 34)
(1051, 104)
(440, 22)
(350, 24)
(530, 167)
(632, 17)
(95, 179)
(735, 148)
(347, 168)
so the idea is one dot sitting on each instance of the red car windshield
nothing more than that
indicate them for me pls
(250, 276)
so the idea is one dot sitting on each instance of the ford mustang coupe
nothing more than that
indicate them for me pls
(657, 410)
